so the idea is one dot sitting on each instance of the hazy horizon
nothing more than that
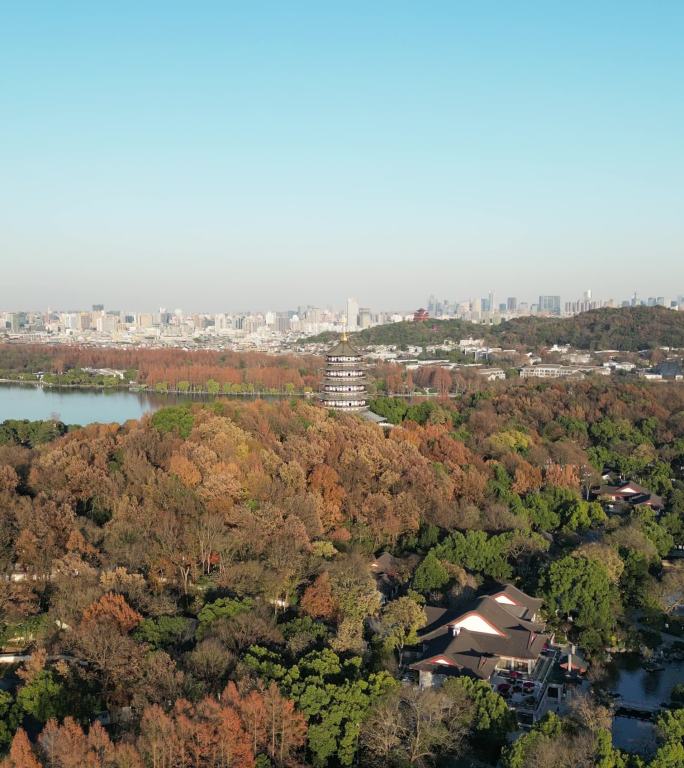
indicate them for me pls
(221, 157)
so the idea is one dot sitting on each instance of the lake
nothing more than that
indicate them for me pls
(85, 406)
(78, 406)
(627, 677)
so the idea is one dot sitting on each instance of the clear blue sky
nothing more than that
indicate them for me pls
(253, 154)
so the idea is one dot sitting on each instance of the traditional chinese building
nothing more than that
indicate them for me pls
(344, 383)
(629, 494)
(500, 631)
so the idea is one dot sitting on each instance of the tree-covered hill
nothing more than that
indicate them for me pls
(207, 572)
(404, 333)
(628, 329)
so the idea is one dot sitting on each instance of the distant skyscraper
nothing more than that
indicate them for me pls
(511, 304)
(364, 318)
(549, 305)
(352, 314)
(282, 322)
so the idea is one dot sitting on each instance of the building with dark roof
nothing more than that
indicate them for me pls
(344, 386)
(671, 370)
(499, 631)
(628, 493)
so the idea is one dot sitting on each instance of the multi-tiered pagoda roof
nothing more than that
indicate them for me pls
(344, 385)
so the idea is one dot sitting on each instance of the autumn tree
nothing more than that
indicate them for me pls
(112, 609)
(273, 725)
(21, 754)
(317, 600)
(102, 641)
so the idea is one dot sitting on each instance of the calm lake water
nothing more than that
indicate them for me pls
(86, 406)
(628, 678)
(77, 406)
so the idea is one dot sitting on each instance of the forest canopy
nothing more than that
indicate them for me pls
(195, 588)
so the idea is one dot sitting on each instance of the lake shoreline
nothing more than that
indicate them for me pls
(105, 405)
(137, 389)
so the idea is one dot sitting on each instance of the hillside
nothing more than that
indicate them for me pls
(215, 564)
(405, 333)
(628, 329)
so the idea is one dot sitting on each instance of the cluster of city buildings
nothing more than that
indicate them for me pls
(489, 309)
(274, 330)
(262, 330)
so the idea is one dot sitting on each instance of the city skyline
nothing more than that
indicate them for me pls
(267, 329)
(501, 302)
(155, 155)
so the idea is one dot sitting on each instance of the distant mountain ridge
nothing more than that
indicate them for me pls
(627, 329)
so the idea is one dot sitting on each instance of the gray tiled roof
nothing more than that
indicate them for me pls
(532, 604)
(478, 652)
(343, 349)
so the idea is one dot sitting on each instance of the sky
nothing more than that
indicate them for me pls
(235, 155)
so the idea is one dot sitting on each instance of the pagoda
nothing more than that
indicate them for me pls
(344, 384)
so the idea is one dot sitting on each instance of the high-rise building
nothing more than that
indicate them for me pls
(352, 314)
(106, 323)
(282, 322)
(222, 323)
(364, 318)
(511, 304)
(144, 320)
(549, 305)
(344, 384)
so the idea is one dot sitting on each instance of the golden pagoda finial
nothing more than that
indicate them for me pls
(344, 336)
